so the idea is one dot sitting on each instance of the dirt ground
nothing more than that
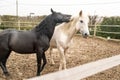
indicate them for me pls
(22, 66)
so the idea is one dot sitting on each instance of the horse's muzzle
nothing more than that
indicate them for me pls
(85, 35)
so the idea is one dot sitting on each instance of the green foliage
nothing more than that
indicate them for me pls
(110, 21)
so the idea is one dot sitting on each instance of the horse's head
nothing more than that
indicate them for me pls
(82, 24)
(59, 17)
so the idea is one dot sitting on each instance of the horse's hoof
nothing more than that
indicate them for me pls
(38, 74)
(7, 74)
(52, 64)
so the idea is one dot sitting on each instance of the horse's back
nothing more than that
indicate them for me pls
(19, 41)
(22, 41)
(4, 35)
(7, 31)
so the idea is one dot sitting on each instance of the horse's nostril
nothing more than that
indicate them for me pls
(85, 34)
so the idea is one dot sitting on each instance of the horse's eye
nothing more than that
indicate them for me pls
(81, 21)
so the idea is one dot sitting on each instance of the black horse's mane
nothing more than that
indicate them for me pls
(46, 27)
(43, 24)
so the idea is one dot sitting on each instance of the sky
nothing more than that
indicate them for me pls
(42, 7)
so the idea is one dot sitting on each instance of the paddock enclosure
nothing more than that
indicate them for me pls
(81, 51)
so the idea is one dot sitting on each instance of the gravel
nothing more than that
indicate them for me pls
(81, 51)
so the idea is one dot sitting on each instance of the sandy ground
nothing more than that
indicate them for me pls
(22, 66)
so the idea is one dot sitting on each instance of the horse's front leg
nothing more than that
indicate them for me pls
(44, 61)
(63, 59)
(39, 58)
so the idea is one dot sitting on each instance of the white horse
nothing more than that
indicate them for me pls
(64, 33)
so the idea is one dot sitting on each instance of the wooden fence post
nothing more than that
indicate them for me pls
(95, 30)
(18, 24)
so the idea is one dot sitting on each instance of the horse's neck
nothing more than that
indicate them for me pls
(70, 29)
(46, 27)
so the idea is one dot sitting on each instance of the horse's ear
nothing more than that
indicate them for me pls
(80, 14)
(52, 11)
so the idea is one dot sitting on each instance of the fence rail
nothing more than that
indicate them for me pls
(107, 25)
(82, 71)
(107, 32)
(18, 22)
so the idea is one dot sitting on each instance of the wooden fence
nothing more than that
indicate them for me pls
(21, 25)
(95, 29)
(17, 24)
(82, 71)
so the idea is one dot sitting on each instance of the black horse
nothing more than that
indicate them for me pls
(33, 41)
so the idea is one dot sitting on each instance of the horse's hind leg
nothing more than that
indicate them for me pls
(4, 69)
(3, 64)
(51, 56)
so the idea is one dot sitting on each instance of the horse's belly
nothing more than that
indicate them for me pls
(23, 48)
(25, 52)
(61, 39)
(22, 51)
